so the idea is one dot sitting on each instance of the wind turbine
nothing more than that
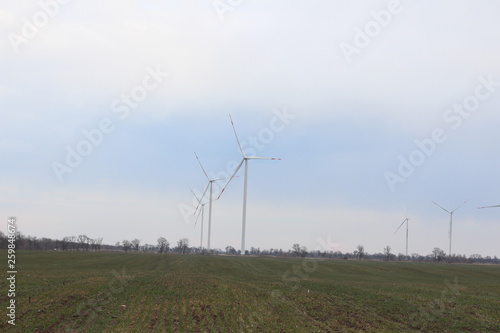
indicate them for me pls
(451, 219)
(202, 213)
(405, 220)
(489, 207)
(209, 186)
(244, 160)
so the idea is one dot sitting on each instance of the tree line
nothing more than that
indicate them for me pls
(85, 243)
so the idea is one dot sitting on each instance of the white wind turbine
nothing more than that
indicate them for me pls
(209, 186)
(244, 160)
(451, 220)
(405, 220)
(202, 213)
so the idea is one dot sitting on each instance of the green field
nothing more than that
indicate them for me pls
(118, 292)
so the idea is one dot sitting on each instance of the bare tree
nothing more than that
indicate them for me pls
(82, 240)
(72, 240)
(438, 254)
(98, 243)
(361, 251)
(135, 244)
(303, 251)
(93, 244)
(163, 245)
(126, 245)
(387, 252)
(296, 249)
(183, 245)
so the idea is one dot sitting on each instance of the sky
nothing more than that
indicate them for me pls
(371, 105)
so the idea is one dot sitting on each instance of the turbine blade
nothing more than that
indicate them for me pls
(489, 207)
(237, 139)
(230, 179)
(194, 194)
(400, 226)
(446, 210)
(460, 205)
(203, 195)
(402, 204)
(202, 168)
(263, 158)
(217, 179)
(197, 218)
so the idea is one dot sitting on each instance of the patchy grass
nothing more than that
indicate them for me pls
(118, 292)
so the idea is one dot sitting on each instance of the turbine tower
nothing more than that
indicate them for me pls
(451, 220)
(244, 160)
(405, 220)
(209, 186)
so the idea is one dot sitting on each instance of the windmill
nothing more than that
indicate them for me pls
(451, 219)
(202, 213)
(405, 220)
(244, 160)
(489, 207)
(209, 186)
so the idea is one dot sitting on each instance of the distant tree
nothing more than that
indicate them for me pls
(93, 244)
(127, 245)
(438, 254)
(65, 243)
(303, 251)
(82, 240)
(476, 258)
(361, 251)
(387, 252)
(72, 240)
(98, 243)
(162, 245)
(135, 244)
(230, 250)
(296, 249)
(183, 245)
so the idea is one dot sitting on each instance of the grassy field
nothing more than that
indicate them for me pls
(117, 292)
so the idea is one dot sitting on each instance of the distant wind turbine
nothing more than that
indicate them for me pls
(405, 220)
(202, 213)
(245, 160)
(489, 207)
(451, 220)
(209, 186)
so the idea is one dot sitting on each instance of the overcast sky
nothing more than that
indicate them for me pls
(368, 103)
